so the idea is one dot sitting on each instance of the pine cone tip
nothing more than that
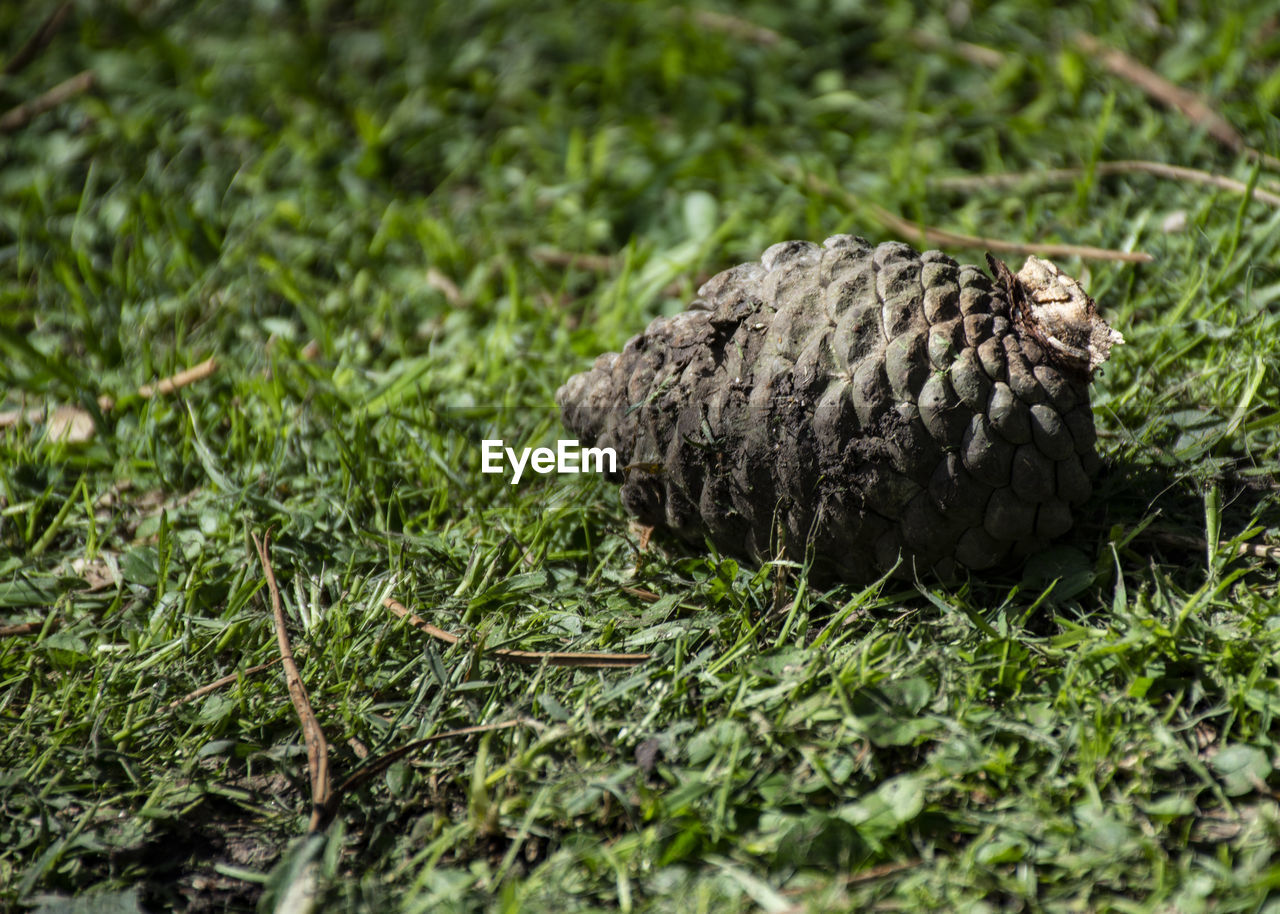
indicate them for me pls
(1055, 309)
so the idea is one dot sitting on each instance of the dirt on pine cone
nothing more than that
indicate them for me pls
(869, 405)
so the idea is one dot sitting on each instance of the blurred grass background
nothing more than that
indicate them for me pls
(397, 228)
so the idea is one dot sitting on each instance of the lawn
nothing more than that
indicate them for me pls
(269, 275)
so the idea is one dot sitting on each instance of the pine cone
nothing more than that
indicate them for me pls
(877, 406)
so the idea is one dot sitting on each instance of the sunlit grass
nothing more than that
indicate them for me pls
(398, 231)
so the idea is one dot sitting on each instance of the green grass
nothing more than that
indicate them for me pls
(283, 189)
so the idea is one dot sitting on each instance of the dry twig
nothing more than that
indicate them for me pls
(383, 762)
(871, 874)
(640, 593)
(603, 263)
(22, 628)
(1192, 106)
(317, 745)
(735, 27)
(444, 285)
(21, 115)
(73, 423)
(974, 53)
(181, 379)
(1128, 166)
(599, 263)
(552, 658)
(1201, 545)
(908, 229)
(957, 240)
(217, 684)
(39, 41)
